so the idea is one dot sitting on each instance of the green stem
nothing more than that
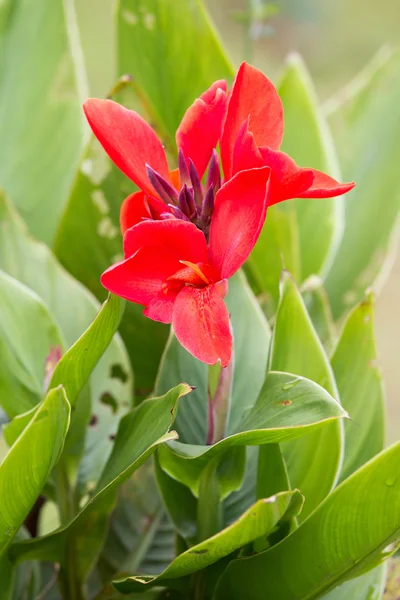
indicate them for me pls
(70, 586)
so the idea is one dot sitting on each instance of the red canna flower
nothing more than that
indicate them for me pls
(184, 238)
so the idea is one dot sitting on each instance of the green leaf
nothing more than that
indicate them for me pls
(78, 362)
(158, 43)
(360, 386)
(24, 349)
(369, 586)
(42, 96)
(180, 503)
(308, 141)
(74, 308)
(366, 126)
(141, 537)
(28, 464)
(251, 343)
(287, 407)
(290, 238)
(22, 582)
(333, 545)
(258, 521)
(140, 432)
(317, 304)
(296, 348)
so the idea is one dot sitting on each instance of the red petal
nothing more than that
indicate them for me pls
(128, 140)
(239, 214)
(291, 181)
(254, 96)
(201, 323)
(201, 126)
(140, 277)
(160, 308)
(175, 238)
(287, 179)
(325, 186)
(246, 154)
(139, 206)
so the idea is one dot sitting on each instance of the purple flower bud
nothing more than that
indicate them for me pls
(164, 189)
(208, 203)
(186, 202)
(183, 169)
(196, 183)
(178, 213)
(214, 173)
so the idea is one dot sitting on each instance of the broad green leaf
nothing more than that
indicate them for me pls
(308, 141)
(23, 349)
(140, 432)
(41, 96)
(158, 43)
(78, 362)
(317, 304)
(344, 537)
(290, 238)
(369, 586)
(366, 126)
(360, 386)
(259, 520)
(297, 349)
(28, 464)
(287, 407)
(277, 248)
(251, 343)
(141, 537)
(74, 308)
(180, 503)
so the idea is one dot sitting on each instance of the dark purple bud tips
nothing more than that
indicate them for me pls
(196, 183)
(163, 188)
(214, 173)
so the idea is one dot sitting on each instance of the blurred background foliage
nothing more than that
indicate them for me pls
(336, 39)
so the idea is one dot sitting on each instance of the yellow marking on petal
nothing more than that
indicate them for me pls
(196, 269)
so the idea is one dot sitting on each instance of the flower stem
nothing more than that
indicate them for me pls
(70, 586)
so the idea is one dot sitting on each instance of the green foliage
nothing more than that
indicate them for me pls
(287, 407)
(366, 125)
(42, 126)
(28, 465)
(359, 381)
(258, 521)
(332, 545)
(158, 44)
(289, 238)
(23, 349)
(73, 308)
(297, 349)
(242, 499)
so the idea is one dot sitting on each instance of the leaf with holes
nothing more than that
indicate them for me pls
(140, 432)
(73, 308)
